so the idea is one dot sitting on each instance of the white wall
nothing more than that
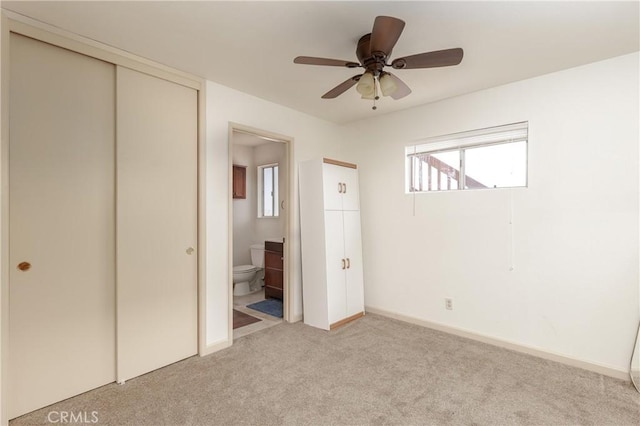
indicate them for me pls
(271, 227)
(574, 287)
(244, 209)
(248, 228)
(313, 138)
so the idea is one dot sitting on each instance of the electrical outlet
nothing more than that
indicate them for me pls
(448, 303)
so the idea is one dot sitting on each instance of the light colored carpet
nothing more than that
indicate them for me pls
(372, 371)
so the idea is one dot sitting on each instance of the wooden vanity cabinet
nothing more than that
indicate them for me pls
(273, 269)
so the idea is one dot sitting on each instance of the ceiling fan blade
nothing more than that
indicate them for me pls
(385, 34)
(439, 58)
(309, 60)
(342, 87)
(402, 90)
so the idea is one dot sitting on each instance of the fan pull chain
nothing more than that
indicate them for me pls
(375, 95)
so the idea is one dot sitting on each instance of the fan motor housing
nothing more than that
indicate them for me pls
(373, 63)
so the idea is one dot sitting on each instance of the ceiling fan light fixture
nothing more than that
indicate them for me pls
(387, 85)
(373, 51)
(366, 86)
(370, 96)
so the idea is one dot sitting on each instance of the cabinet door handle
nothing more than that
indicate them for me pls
(348, 263)
(340, 187)
(344, 265)
(345, 188)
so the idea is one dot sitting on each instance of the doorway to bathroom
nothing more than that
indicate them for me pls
(260, 193)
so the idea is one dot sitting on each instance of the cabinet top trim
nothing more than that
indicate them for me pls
(339, 163)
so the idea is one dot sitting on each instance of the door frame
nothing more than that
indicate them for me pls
(287, 311)
(16, 23)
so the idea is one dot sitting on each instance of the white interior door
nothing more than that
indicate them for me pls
(353, 253)
(157, 222)
(61, 197)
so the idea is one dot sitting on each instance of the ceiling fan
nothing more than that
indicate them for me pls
(373, 51)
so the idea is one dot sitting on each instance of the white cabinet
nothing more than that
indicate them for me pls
(340, 187)
(353, 254)
(332, 275)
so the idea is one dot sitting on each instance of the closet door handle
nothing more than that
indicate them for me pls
(25, 266)
(348, 263)
(344, 265)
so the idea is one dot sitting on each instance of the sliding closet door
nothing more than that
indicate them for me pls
(61, 226)
(156, 222)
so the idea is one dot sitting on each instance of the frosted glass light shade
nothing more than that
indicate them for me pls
(387, 85)
(366, 86)
(369, 96)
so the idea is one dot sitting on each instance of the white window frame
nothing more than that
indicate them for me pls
(498, 135)
(260, 191)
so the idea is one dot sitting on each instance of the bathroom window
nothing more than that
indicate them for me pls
(495, 157)
(268, 193)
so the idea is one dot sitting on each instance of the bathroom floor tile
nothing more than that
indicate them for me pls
(267, 321)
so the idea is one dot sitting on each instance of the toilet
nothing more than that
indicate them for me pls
(246, 277)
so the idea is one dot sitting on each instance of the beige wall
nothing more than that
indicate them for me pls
(573, 244)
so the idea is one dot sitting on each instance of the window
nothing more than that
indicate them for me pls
(268, 193)
(488, 158)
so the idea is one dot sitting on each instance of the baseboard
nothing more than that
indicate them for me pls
(215, 347)
(346, 321)
(529, 350)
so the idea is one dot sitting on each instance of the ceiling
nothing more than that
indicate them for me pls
(250, 46)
